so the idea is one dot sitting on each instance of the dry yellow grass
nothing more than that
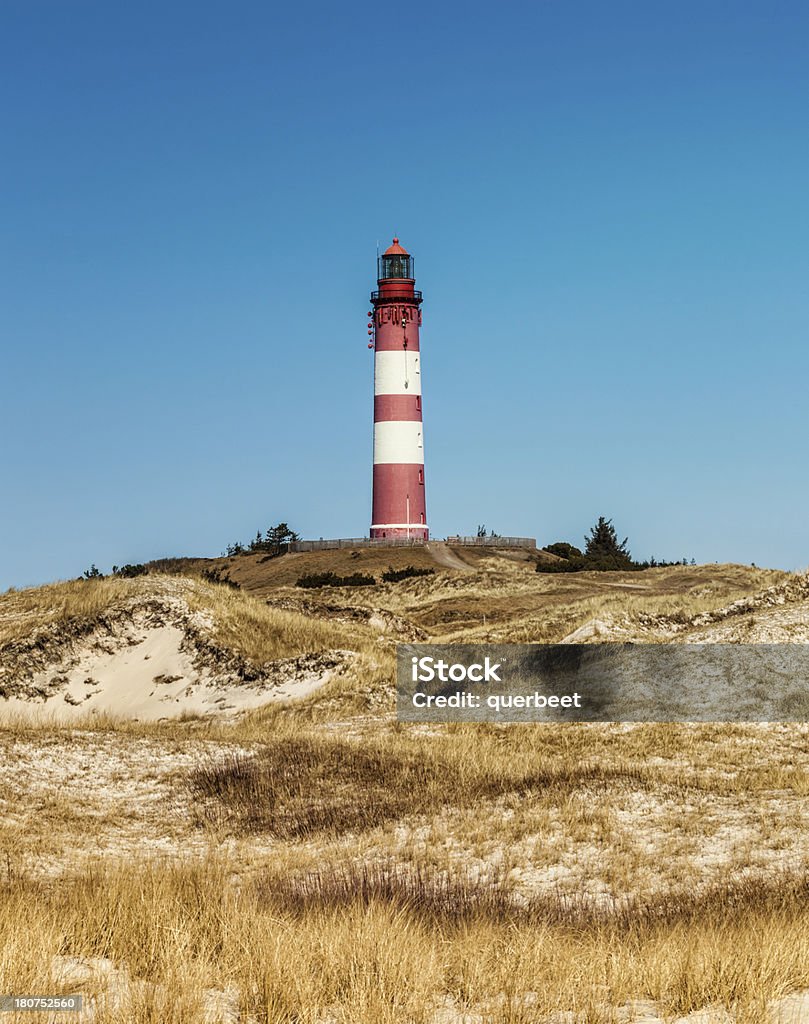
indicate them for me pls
(323, 864)
(259, 633)
(401, 949)
(510, 603)
(259, 573)
(426, 931)
(239, 622)
(24, 612)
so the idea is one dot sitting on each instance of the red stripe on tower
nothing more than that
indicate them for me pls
(399, 509)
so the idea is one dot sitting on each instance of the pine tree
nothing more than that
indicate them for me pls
(278, 537)
(603, 549)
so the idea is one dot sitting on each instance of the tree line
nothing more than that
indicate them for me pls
(274, 541)
(603, 552)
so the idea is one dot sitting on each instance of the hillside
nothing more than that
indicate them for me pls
(161, 645)
(242, 833)
(260, 573)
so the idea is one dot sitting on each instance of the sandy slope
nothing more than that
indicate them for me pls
(153, 677)
(149, 657)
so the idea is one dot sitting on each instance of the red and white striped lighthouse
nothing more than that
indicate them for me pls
(399, 508)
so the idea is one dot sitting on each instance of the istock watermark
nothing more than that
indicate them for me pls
(603, 682)
(426, 669)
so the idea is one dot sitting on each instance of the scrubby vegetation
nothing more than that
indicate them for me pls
(563, 550)
(219, 575)
(130, 571)
(355, 943)
(274, 541)
(331, 579)
(603, 553)
(391, 575)
(127, 572)
(307, 786)
(403, 880)
(319, 862)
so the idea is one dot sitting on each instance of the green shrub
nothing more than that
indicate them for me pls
(604, 553)
(391, 575)
(575, 564)
(331, 579)
(218, 576)
(563, 550)
(129, 571)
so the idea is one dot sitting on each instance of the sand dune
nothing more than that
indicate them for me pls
(148, 657)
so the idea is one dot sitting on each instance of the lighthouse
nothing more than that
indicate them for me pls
(398, 507)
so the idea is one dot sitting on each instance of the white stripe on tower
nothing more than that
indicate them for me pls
(397, 373)
(399, 441)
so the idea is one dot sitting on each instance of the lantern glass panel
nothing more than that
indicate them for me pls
(396, 267)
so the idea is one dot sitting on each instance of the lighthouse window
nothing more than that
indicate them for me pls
(421, 476)
(396, 267)
(418, 403)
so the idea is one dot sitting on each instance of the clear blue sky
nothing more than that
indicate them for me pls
(607, 203)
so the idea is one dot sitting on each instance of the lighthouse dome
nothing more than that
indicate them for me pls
(396, 263)
(396, 249)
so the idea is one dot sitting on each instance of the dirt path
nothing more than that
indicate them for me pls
(620, 586)
(442, 554)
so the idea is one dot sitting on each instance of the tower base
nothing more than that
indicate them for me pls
(399, 531)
